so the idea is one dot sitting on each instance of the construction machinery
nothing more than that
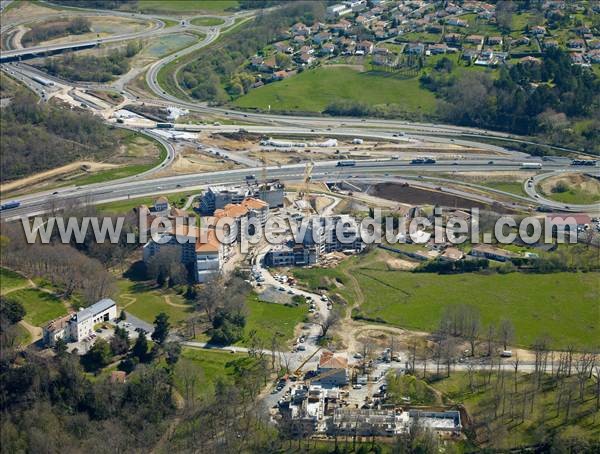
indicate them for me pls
(298, 371)
(304, 193)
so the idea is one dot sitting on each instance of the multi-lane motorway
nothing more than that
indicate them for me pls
(279, 124)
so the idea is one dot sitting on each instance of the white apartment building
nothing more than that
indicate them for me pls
(78, 326)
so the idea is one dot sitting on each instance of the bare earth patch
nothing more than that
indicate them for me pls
(576, 181)
(79, 166)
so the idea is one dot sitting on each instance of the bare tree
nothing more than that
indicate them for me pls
(506, 332)
(210, 296)
(328, 322)
(490, 337)
(472, 325)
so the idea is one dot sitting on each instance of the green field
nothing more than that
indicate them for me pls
(205, 366)
(313, 90)
(10, 280)
(207, 21)
(143, 300)
(574, 195)
(168, 44)
(564, 306)
(123, 206)
(514, 187)
(40, 307)
(269, 319)
(185, 6)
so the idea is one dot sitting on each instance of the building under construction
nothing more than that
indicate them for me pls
(217, 197)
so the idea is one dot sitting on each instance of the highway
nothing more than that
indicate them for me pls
(138, 185)
(389, 130)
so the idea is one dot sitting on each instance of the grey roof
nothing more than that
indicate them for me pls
(94, 309)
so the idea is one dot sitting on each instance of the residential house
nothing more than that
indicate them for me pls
(494, 40)
(436, 49)
(550, 44)
(453, 38)
(307, 50)
(576, 44)
(492, 252)
(321, 38)
(457, 22)
(306, 59)
(594, 55)
(299, 39)
(593, 44)
(341, 26)
(415, 48)
(300, 29)
(327, 49)
(365, 46)
(452, 254)
(476, 40)
(486, 58)
(530, 60)
(538, 30)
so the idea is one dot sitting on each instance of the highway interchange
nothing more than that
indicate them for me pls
(368, 128)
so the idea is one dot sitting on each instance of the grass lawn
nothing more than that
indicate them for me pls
(123, 206)
(514, 187)
(23, 336)
(564, 306)
(143, 300)
(205, 366)
(40, 307)
(268, 319)
(185, 6)
(207, 21)
(313, 90)
(10, 280)
(513, 431)
(576, 196)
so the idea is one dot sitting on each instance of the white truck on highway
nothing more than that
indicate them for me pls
(531, 165)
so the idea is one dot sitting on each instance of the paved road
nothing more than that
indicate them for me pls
(530, 187)
(323, 171)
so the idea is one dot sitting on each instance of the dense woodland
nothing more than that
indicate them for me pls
(527, 98)
(36, 137)
(92, 68)
(56, 29)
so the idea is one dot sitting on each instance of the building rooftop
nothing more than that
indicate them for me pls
(330, 360)
(94, 309)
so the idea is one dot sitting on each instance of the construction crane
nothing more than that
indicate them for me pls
(298, 371)
(263, 173)
(304, 193)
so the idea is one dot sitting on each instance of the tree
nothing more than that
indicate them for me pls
(165, 266)
(119, 342)
(123, 315)
(330, 320)
(506, 332)
(60, 347)
(161, 328)
(98, 356)
(173, 351)
(282, 60)
(140, 348)
(209, 296)
(11, 311)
